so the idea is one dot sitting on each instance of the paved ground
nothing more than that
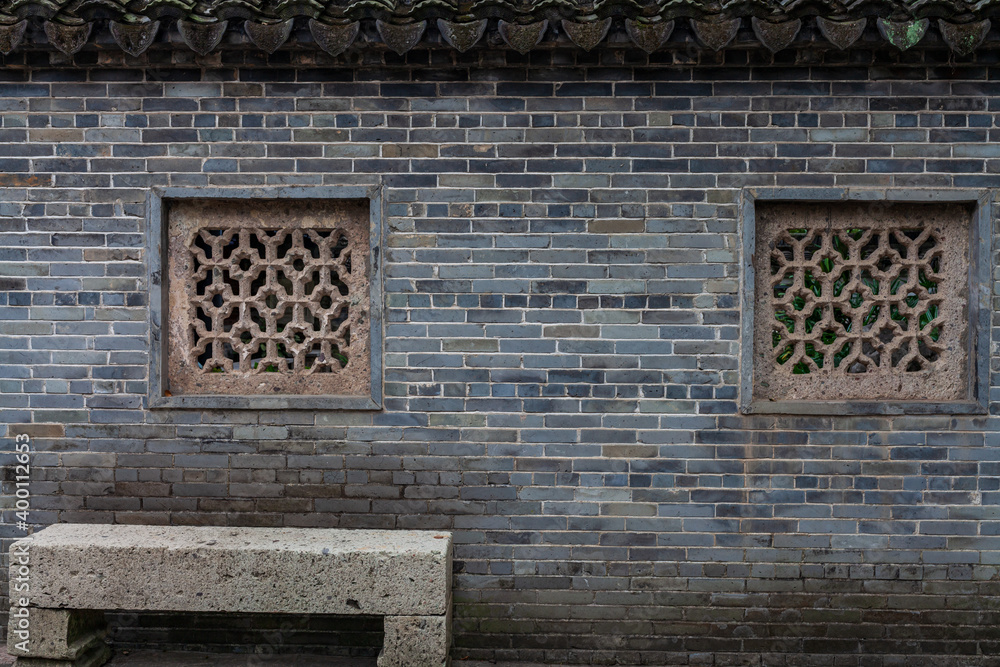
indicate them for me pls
(186, 659)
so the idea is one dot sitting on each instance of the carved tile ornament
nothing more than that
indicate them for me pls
(402, 24)
(861, 301)
(268, 297)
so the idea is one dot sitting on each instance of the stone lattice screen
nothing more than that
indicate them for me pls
(861, 301)
(268, 297)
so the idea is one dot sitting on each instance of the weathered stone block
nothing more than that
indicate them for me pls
(57, 634)
(252, 570)
(416, 641)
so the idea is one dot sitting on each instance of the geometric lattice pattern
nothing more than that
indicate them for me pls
(269, 300)
(884, 300)
(271, 303)
(839, 293)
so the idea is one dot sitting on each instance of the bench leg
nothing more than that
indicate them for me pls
(416, 641)
(58, 638)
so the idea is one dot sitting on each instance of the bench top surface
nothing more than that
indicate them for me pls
(319, 540)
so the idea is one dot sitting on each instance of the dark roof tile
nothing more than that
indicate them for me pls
(522, 24)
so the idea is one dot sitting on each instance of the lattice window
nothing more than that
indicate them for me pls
(861, 301)
(268, 297)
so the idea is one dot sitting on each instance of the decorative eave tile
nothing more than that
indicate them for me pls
(268, 36)
(202, 38)
(964, 38)
(841, 33)
(334, 38)
(134, 38)
(522, 37)
(462, 36)
(401, 37)
(11, 35)
(716, 34)
(67, 38)
(775, 36)
(903, 34)
(587, 35)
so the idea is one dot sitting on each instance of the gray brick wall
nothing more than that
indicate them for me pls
(561, 347)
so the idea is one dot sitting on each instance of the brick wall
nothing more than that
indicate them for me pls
(562, 333)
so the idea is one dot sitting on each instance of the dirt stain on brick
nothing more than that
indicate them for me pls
(24, 180)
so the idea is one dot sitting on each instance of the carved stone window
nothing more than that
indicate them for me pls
(267, 298)
(865, 302)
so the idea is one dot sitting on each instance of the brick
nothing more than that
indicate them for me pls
(38, 430)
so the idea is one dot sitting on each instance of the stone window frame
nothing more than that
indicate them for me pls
(157, 201)
(980, 277)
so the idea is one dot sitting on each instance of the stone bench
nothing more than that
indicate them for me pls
(77, 571)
